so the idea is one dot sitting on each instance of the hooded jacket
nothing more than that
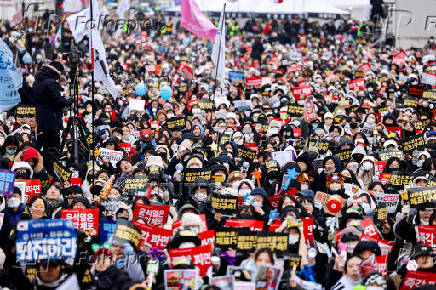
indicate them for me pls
(48, 100)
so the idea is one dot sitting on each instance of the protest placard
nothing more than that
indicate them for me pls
(110, 207)
(224, 204)
(126, 232)
(200, 257)
(416, 142)
(356, 84)
(185, 71)
(416, 90)
(310, 111)
(135, 182)
(386, 154)
(153, 68)
(245, 153)
(241, 274)
(226, 237)
(180, 279)
(301, 92)
(246, 240)
(253, 82)
(207, 237)
(296, 110)
(62, 173)
(176, 122)
(415, 279)
(153, 214)
(429, 94)
(426, 234)
(107, 228)
(369, 229)
(268, 277)
(7, 179)
(276, 242)
(23, 111)
(111, 155)
(420, 195)
(308, 229)
(192, 174)
(155, 236)
(84, 219)
(389, 199)
(344, 155)
(45, 239)
(428, 78)
(253, 225)
(136, 105)
(236, 76)
(400, 179)
(242, 105)
(382, 212)
(293, 260)
(206, 105)
(223, 282)
(283, 157)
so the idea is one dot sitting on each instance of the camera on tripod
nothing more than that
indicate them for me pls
(71, 57)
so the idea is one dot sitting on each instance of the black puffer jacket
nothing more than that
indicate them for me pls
(113, 279)
(48, 100)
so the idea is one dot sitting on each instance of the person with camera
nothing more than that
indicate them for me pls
(49, 108)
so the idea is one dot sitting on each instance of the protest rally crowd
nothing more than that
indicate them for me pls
(308, 164)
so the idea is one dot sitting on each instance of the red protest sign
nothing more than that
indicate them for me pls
(365, 67)
(153, 214)
(274, 200)
(399, 58)
(200, 257)
(33, 188)
(415, 279)
(126, 147)
(253, 82)
(207, 237)
(302, 91)
(76, 181)
(254, 225)
(380, 166)
(310, 111)
(185, 71)
(152, 68)
(426, 235)
(155, 236)
(396, 130)
(382, 264)
(275, 225)
(384, 178)
(293, 67)
(357, 84)
(369, 229)
(84, 219)
(308, 229)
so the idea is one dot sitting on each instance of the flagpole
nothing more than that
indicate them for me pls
(219, 50)
(92, 92)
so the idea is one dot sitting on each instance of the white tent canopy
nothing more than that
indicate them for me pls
(268, 6)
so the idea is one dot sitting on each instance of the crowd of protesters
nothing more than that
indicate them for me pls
(331, 126)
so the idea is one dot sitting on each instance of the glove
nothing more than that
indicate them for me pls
(412, 214)
(120, 263)
(128, 249)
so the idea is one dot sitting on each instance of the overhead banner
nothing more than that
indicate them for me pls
(45, 239)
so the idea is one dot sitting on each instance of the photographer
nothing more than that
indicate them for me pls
(49, 107)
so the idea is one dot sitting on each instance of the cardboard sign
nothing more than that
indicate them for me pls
(107, 228)
(45, 239)
(426, 235)
(176, 122)
(185, 70)
(254, 82)
(84, 219)
(391, 200)
(385, 155)
(180, 279)
(126, 232)
(369, 229)
(253, 225)
(413, 143)
(7, 179)
(401, 179)
(112, 156)
(153, 214)
(295, 110)
(357, 84)
(236, 76)
(419, 195)
(415, 279)
(62, 173)
(155, 236)
(283, 157)
(135, 182)
(136, 105)
(192, 174)
(224, 204)
(200, 257)
(246, 153)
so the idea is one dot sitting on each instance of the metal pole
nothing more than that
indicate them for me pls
(92, 92)
(219, 50)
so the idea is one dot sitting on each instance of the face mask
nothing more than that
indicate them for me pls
(246, 131)
(200, 197)
(196, 111)
(327, 172)
(239, 142)
(257, 204)
(14, 202)
(11, 152)
(293, 239)
(367, 166)
(335, 186)
(351, 246)
(366, 208)
(315, 126)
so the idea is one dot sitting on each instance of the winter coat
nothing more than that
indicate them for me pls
(48, 100)
(113, 279)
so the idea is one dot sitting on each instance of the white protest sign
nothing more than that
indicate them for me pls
(136, 105)
(390, 199)
(111, 155)
(282, 157)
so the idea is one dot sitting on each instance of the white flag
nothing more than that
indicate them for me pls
(72, 6)
(77, 24)
(218, 51)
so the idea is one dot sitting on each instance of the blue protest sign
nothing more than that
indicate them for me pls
(45, 240)
(7, 179)
(236, 75)
(10, 79)
(107, 228)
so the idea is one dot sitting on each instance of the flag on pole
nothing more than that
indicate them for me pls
(193, 20)
(72, 6)
(58, 38)
(218, 51)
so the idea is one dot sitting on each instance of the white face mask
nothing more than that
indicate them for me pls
(14, 202)
(293, 239)
(239, 142)
(187, 245)
(367, 166)
(200, 197)
(370, 121)
(257, 204)
(335, 186)
(366, 208)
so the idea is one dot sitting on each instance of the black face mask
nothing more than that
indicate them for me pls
(22, 175)
(358, 157)
(348, 180)
(390, 170)
(89, 178)
(273, 174)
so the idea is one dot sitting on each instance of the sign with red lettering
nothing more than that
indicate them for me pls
(185, 71)
(84, 219)
(369, 229)
(415, 279)
(153, 214)
(293, 67)
(426, 235)
(399, 58)
(152, 68)
(207, 237)
(365, 67)
(310, 111)
(254, 225)
(253, 82)
(302, 91)
(358, 84)
(308, 229)
(200, 257)
(155, 236)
